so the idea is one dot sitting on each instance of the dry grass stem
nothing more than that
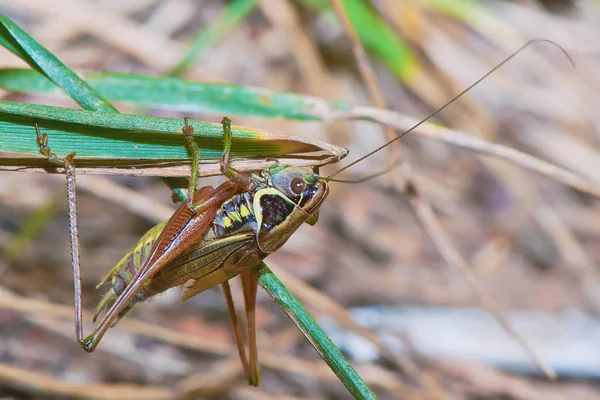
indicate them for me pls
(37, 384)
(43, 313)
(471, 143)
(455, 260)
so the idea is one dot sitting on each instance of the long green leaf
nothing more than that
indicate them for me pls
(86, 134)
(182, 95)
(111, 138)
(39, 58)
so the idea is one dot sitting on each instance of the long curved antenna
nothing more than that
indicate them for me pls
(510, 57)
(366, 178)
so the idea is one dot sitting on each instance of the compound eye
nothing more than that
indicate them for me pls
(298, 185)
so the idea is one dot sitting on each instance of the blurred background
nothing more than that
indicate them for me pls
(369, 271)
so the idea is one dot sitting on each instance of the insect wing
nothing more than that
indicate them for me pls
(238, 254)
(198, 262)
(180, 219)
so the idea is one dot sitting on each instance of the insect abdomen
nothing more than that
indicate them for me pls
(122, 273)
(235, 215)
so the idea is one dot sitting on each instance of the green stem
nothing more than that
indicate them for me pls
(313, 332)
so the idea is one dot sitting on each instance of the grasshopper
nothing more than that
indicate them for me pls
(217, 234)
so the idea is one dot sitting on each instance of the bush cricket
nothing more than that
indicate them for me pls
(216, 234)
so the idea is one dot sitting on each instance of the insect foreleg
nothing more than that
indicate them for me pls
(68, 164)
(226, 168)
(188, 132)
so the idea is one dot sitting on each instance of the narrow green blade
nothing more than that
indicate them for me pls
(313, 332)
(182, 95)
(110, 139)
(24, 46)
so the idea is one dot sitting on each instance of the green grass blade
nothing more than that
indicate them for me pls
(24, 46)
(313, 332)
(181, 95)
(85, 133)
(117, 136)
(233, 13)
(41, 60)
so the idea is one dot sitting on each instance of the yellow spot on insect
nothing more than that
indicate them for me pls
(244, 211)
(234, 215)
(226, 222)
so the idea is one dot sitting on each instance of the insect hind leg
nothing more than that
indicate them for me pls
(237, 329)
(68, 164)
(250, 287)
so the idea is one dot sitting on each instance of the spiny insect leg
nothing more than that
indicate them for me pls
(237, 329)
(69, 167)
(188, 132)
(250, 287)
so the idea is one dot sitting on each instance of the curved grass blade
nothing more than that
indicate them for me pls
(313, 332)
(85, 133)
(181, 95)
(112, 139)
(40, 59)
(29, 50)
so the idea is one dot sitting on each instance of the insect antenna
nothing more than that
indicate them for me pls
(367, 178)
(434, 113)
